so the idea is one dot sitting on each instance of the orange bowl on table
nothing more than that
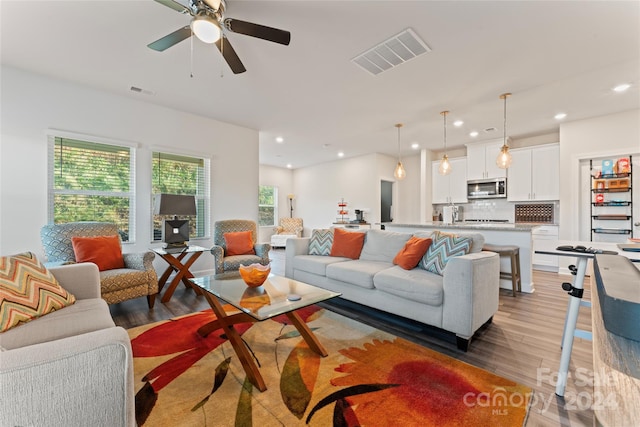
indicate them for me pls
(254, 275)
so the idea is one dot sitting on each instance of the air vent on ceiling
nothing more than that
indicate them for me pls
(393, 52)
(140, 90)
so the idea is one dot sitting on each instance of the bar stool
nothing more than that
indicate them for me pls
(513, 252)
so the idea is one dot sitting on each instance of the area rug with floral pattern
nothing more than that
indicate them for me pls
(369, 378)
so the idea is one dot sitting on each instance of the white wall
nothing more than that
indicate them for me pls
(611, 135)
(31, 104)
(282, 179)
(319, 188)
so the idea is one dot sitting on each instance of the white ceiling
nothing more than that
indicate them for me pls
(560, 56)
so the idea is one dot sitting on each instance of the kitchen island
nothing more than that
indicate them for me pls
(495, 234)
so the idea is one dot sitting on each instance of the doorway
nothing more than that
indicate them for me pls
(386, 201)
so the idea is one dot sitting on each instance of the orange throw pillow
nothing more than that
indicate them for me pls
(413, 251)
(104, 251)
(239, 243)
(347, 244)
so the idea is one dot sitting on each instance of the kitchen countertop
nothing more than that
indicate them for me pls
(498, 226)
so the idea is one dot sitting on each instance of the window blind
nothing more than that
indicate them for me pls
(90, 181)
(181, 174)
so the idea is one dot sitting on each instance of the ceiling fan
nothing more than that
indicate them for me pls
(209, 25)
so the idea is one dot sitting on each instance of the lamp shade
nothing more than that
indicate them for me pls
(175, 204)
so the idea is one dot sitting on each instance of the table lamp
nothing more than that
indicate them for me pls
(175, 232)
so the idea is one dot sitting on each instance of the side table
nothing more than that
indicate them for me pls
(180, 263)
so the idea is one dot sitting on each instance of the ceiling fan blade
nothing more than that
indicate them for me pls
(213, 4)
(174, 5)
(169, 40)
(256, 30)
(230, 56)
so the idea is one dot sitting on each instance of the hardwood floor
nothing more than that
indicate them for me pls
(522, 343)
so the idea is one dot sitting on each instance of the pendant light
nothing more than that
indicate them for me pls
(399, 172)
(445, 166)
(504, 158)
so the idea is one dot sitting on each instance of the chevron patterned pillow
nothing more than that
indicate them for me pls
(28, 290)
(444, 247)
(321, 241)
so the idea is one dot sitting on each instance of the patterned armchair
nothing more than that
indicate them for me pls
(290, 226)
(137, 279)
(229, 265)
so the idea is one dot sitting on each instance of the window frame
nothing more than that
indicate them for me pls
(274, 206)
(205, 197)
(52, 136)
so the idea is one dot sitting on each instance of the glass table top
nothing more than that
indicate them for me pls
(276, 296)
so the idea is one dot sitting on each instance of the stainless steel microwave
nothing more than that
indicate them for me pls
(487, 188)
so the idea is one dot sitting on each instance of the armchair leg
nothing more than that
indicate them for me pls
(151, 299)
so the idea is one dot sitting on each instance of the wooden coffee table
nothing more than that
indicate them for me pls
(276, 296)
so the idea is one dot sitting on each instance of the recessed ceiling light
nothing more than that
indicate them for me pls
(473, 134)
(560, 116)
(458, 123)
(340, 154)
(415, 145)
(279, 140)
(622, 87)
(289, 165)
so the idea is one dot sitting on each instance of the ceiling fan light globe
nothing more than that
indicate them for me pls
(504, 158)
(205, 29)
(399, 172)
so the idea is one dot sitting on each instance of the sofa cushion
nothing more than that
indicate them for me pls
(380, 245)
(347, 243)
(476, 238)
(28, 291)
(444, 247)
(84, 316)
(412, 252)
(357, 273)
(415, 285)
(316, 264)
(321, 241)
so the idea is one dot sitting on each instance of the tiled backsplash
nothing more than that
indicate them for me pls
(497, 209)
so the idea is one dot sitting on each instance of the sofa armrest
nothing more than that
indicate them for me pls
(82, 279)
(81, 380)
(139, 261)
(295, 246)
(471, 287)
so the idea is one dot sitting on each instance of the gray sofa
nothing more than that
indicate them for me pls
(460, 301)
(72, 367)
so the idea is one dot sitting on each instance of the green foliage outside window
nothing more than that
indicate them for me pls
(91, 182)
(176, 174)
(267, 204)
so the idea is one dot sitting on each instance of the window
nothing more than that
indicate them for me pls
(178, 174)
(91, 181)
(267, 205)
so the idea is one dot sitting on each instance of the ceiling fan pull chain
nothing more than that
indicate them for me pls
(191, 58)
(222, 52)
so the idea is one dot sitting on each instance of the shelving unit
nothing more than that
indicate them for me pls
(612, 202)
(343, 212)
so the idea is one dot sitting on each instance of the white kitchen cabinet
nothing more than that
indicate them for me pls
(545, 238)
(534, 174)
(450, 188)
(481, 160)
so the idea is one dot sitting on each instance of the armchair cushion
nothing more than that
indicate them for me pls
(103, 251)
(239, 243)
(28, 291)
